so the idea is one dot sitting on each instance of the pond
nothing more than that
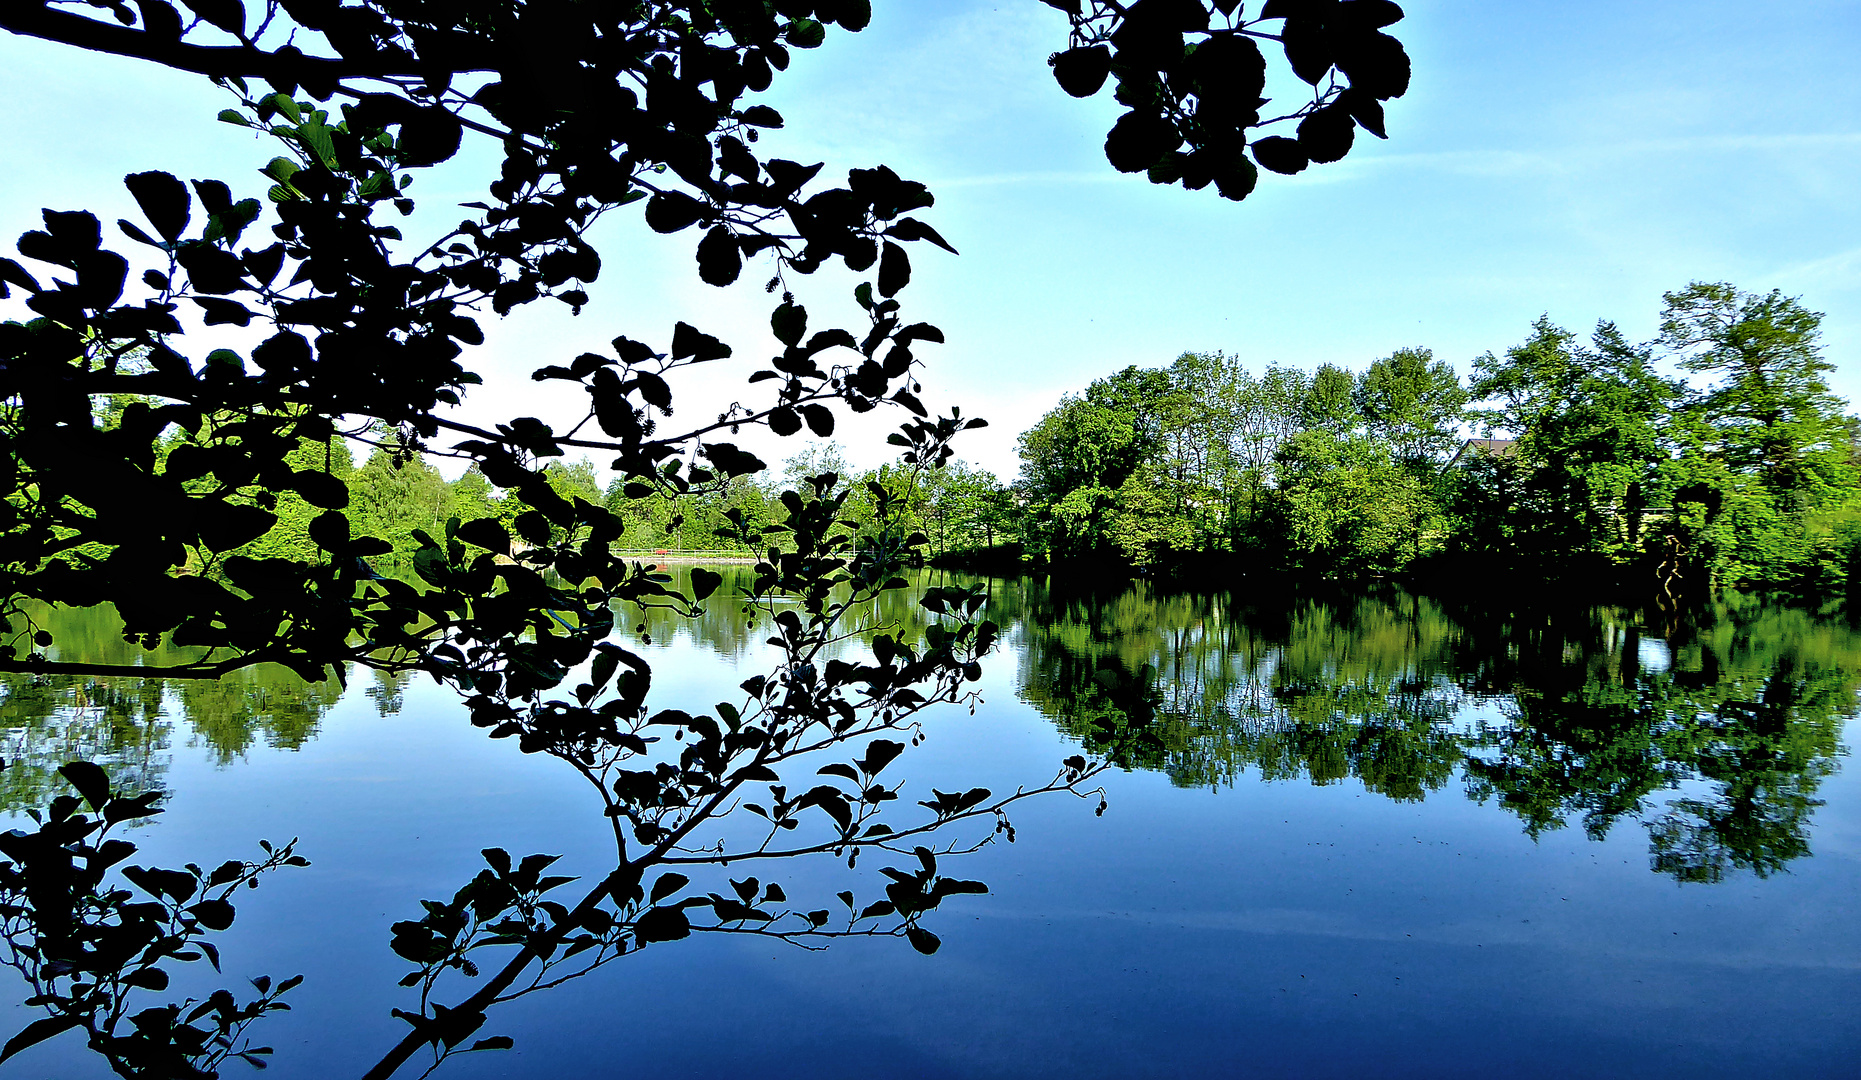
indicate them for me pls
(1373, 833)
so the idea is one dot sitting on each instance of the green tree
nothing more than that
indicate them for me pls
(1344, 506)
(575, 479)
(1770, 407)
(1414, 403)
(1330, 401)
(1596, 442)
(473, 497)
(290, 538)
(395, 494)
(1776, 496)
(813, 460)
(967, 509)
(1077, 457)
(1745, 482)
(1201, 475)
(1267, 412)
(889, 492)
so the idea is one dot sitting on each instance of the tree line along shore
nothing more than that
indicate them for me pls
(1565, 457)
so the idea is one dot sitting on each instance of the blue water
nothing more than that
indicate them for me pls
(1267, 928)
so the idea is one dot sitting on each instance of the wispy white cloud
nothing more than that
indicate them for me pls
(1104, 176)
(1576, 157)
(1840, 270)
(1483, 163)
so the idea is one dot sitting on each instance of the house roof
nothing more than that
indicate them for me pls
(1499, 448)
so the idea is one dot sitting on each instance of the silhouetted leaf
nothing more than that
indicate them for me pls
(213, 914)
(90, 780)
(1370, 14)
(790, 323)
(1139, 139)
(37, 1032)
(670, 211)
(428, 137)
(913, 229)
(320, 489)
(784, 421)
(1307, 48)
(486, 533)
(1326, 135)
(687, 341)
(330, 531)
(894, 269)
(820, 419)
(1081, 71)
(164, 201)
(1280, 154)
(719, 259)
(661, 924)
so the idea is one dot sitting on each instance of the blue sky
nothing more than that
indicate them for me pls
(1570, 158)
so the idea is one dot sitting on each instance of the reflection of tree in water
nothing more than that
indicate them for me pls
(1550, 713)
(731, 631)
(1202, 686)
(46, 722)
(123, 724)
(1744, 725)
(268, 703)
(388, 691)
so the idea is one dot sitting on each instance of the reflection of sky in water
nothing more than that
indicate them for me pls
(1276, 928)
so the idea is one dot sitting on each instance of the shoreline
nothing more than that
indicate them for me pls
(673, 558)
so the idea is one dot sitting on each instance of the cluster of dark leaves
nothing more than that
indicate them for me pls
(92, 949)
(363, 331)
(1192, 75)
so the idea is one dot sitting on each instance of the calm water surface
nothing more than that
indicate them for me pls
(1365, 835)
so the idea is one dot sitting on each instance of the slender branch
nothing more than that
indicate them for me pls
(33, 20)
(888, 839)
(487, 994)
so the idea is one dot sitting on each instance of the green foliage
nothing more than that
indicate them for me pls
(1746, 482)
(966, 510)
(1081, 453)
(1345, 506)
(289, 538)
(119, 726)
(396, 493)
(1608, 469)
(1414, 403)
(1594, 426)
(1330, 404)
(473, 497)
(1770, 410)
(1319, 474)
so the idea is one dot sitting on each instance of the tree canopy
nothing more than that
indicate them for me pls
(1608, 472)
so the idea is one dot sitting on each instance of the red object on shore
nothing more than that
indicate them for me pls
(662, 551)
